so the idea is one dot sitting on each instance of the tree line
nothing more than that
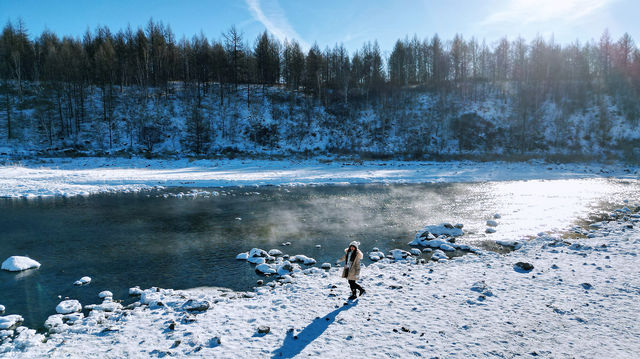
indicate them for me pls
(151, 59)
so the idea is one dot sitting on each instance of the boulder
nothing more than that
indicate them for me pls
(263, 329)
(135, 291)
(193, 305)
(68, 306)
(447, 247)
(105, 294)
(257, 252)
(492, 223)
(265, 269)
(243, 256)
(82, 281)
(399, 254)
(275, 252)
(439, 255)
(9, 322)
(490, 230)
(523, 267)
(415, 251)
(19, 263)
(326, 266)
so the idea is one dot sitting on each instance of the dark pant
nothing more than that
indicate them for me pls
(353, 285)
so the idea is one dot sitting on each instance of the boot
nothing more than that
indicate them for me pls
(362, 291)
(353, 295)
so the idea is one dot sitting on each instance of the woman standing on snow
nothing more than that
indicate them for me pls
(351, 269)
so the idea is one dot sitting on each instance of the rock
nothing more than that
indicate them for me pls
(482, 288)
(243, 256)
(82, 281)
(447, 248)
(376, 255)
(375, 249)
(459, 225)
(318, 246)
(257, 252)
(193, 305)
(275, 252)
(439, 255)
(302, 258)
(285, 268)
(427, 250)
(2, 308)
(586, 286)
(105, 294)
(54, 323)
(68, 306)
(106, 306)
(492, 223)
(19, 263)
(9, 322)
(286, 279)
(523, 267)
(266, 269)
(286, 243)
(135, 291)
(496, 216)
(515, 245)
(260, 282)
(399, 254)
(326, 266)
(415, 251)
(490, 230)
(263, 329)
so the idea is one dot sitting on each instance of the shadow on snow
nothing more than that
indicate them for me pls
(292, 346)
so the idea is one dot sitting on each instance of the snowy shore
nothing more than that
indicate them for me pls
(579, 300)
(84, 176)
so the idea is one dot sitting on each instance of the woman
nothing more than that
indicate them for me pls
(351, 269)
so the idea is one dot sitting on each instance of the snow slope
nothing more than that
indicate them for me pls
(69, 177)
(580, 300)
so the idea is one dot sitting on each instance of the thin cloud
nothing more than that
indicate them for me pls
(271, 15)
(540, 11)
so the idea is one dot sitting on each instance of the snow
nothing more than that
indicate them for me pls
(243, 256)
(82, 281)
(573, 303)
(265, 269)
(10, 321)
(105, 294)
(19, 263)
(135, 291)
(68, 306)
(303, 259)
(85, 176)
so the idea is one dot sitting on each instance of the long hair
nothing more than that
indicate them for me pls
(353, 255)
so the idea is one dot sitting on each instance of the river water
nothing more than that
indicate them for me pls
(145, 239)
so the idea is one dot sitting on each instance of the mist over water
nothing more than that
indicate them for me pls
(123, 240)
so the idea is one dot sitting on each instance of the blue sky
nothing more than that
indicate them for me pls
(338, 21)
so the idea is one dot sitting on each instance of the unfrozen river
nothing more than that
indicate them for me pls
(147, 240)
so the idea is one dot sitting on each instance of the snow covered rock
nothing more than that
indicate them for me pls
(265, 268)
(105, 294)
(415, 251)
(2, 308)
(193, 305)
(54, 323)
(490, 230)
(515, 245)
(275, 252)
(135, 291)
(399, 254)
(445, 229)
(106, 306)
(263, 329)
(9, 322)
(376, 255)
(492, 223)
(150, 297)
(83, 281)
(439, 255)
(326, 266)
(68, 306)
(19, 263)
(286, 279)
(447, 247)
(497, 216)
(482, 288)
(243, 256)
(257, 252)
(303, 259)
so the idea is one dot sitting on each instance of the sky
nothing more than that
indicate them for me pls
(330, 22)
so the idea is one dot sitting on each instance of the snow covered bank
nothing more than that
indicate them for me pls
(70, 177)
(576, 298)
